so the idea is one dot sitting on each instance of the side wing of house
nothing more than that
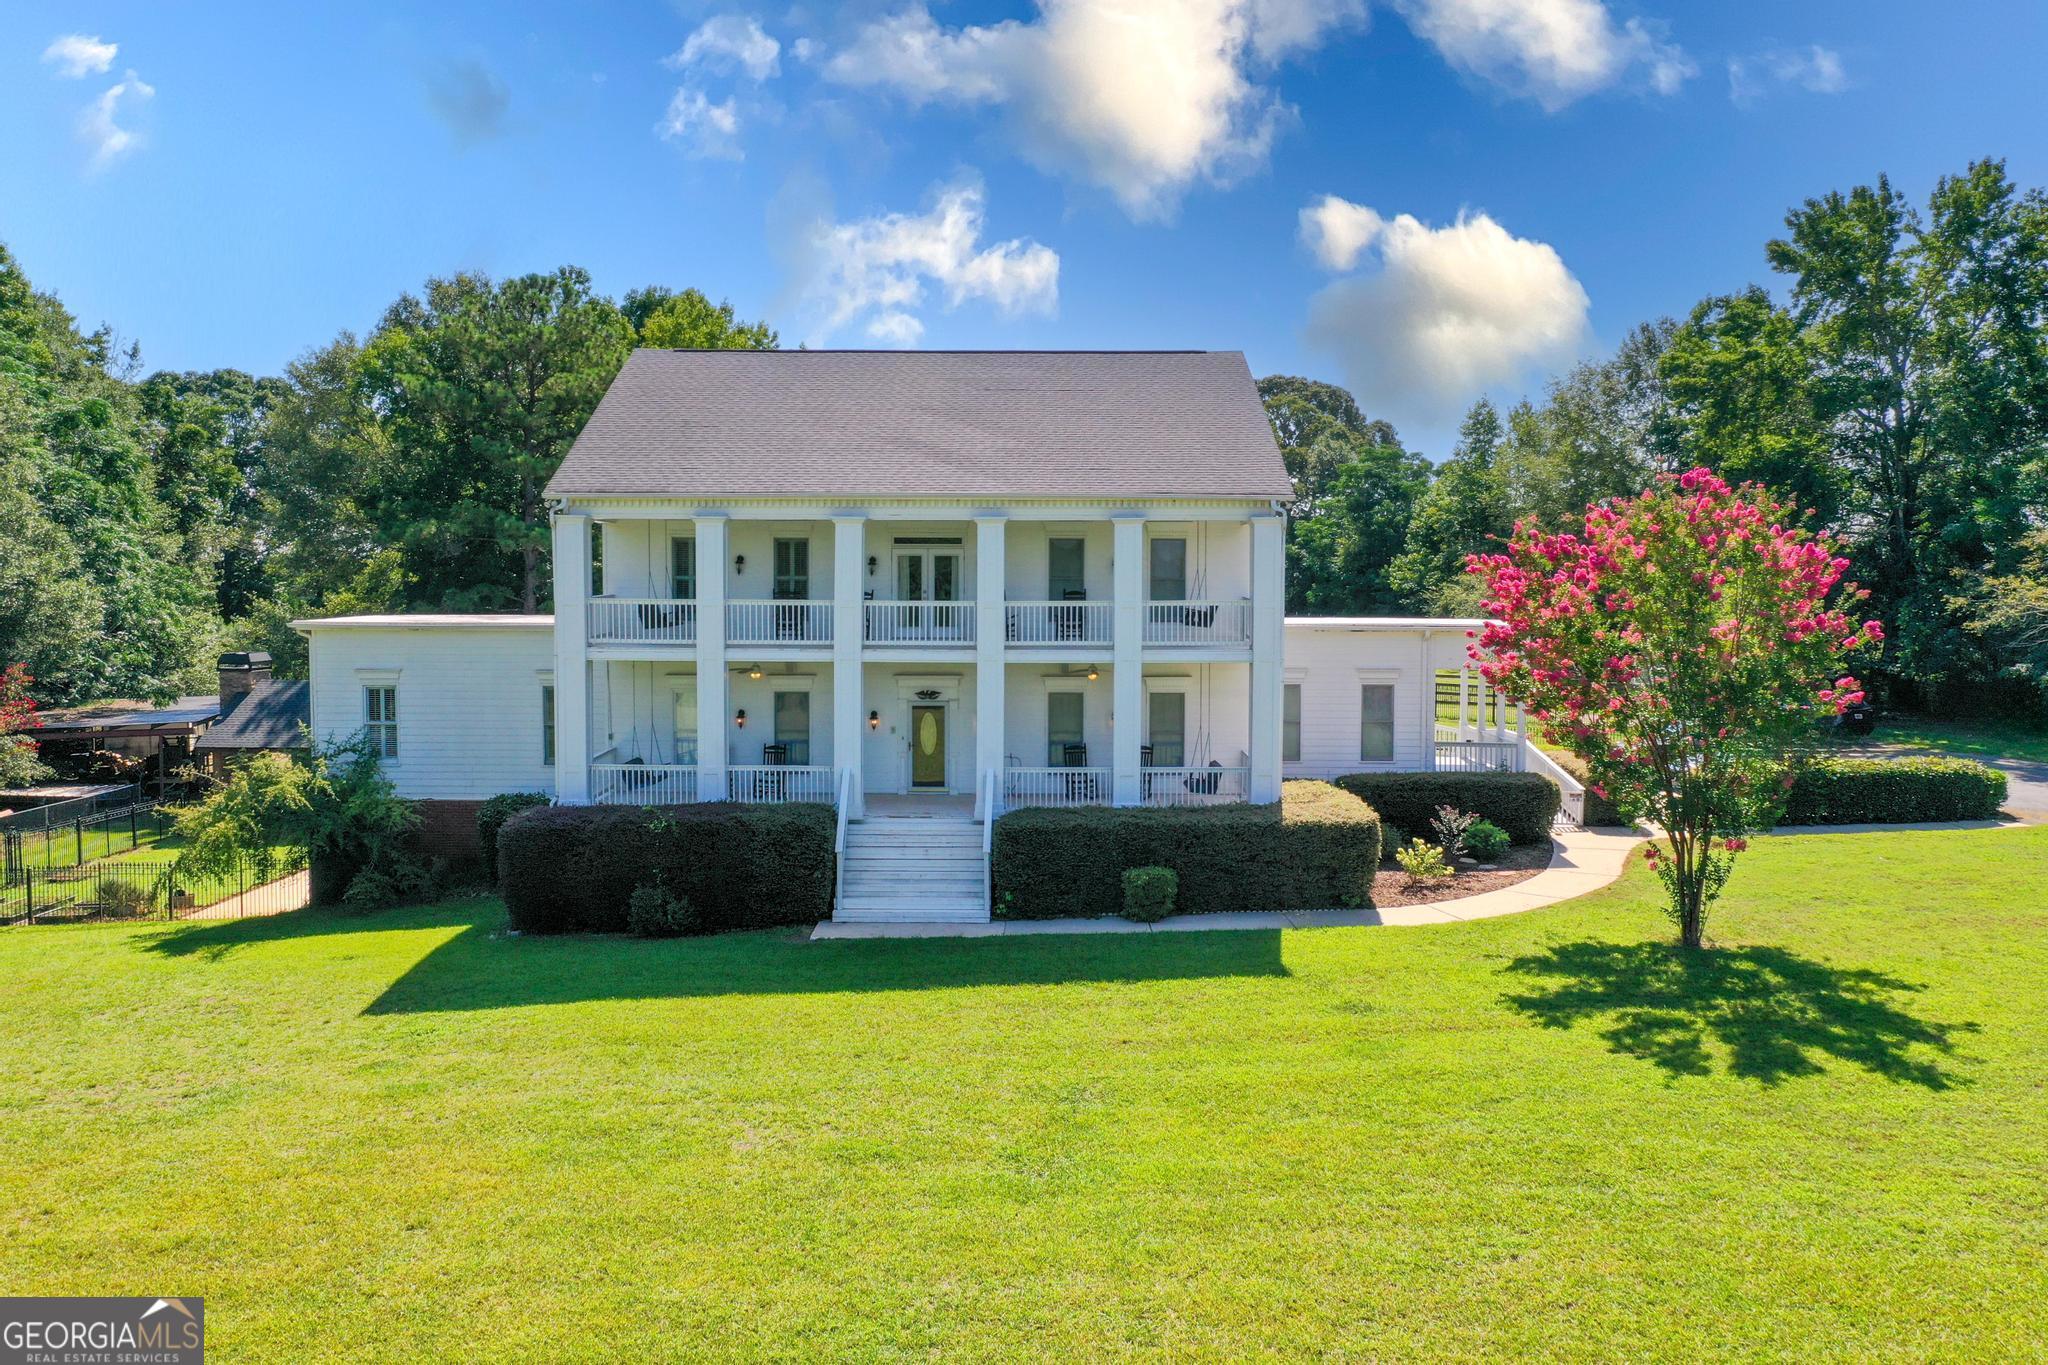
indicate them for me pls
(1378, 694)
(461, 708)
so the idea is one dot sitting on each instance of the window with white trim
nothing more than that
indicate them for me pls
(1290, 724)
(547, 724)
(1169, 565)
(1376, 722)
(1066, 577)
(792, 570)
(682, 568)
(380, 718)
(1064, 713)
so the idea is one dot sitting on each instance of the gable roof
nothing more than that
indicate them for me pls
(268, 716)
(1084, 424)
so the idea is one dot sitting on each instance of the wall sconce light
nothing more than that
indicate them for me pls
(739, 719)
(739, 563)
(872, 561)
(874, 720)
(755, 673)
(1092, 674)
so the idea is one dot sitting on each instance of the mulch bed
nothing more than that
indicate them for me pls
(1390, 884)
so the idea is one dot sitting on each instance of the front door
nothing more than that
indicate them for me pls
(928, 746)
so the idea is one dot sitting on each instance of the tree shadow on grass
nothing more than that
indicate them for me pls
(1774, 1014)
(481, 967)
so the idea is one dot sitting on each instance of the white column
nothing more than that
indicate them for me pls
(1427, 670)
(849, 720)
(1269, 644)
(1464, 698)
(572, 659)
(1127, 657)
(712, 696)
(990, 675)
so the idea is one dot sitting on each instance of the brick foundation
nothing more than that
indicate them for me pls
(447, 830)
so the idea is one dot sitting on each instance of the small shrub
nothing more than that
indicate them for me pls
(122, 896)
(1316, 848)
(651, 912)
(371, 889)
(1449, 825)
(1523, 804)
(1487, 841)
(1423, 862)
(1149, 893)
(491, 817)
(1890, 791)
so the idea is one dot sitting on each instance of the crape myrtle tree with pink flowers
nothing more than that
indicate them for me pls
(1680, 644)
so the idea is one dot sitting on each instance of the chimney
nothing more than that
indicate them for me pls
(239, 674)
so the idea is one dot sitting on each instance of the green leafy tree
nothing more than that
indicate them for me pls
(1463, 512)
(1319, 429)
(690, 321)
(1341, 559)
(1594, 435)
(482, 387)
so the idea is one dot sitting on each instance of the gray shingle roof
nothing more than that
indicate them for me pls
(1116, 424)
(268, 717)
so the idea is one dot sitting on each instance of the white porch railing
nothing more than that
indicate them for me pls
(643, 784)
(1055, 787)
(919, 623)
(1476, 756)
(1193, 786)
(1198, 623)
(773, 785)
(642, 620)
(1572, 808)
(778, 623)
(839, 839)
(1059, 623)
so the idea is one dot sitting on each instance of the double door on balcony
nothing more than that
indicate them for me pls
(928, 605)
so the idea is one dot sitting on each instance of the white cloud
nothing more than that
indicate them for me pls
(98, 128)
(1450, 312)
(705, 129)
(1553, 51)
(76, 55)
(1816, 69)
(1141, 97)
(1337, 231)
(876, 271)
(730, 41)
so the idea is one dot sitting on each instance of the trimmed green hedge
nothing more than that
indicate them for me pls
(1317, 848)
(491, 817)
(1891, 791)
(1523, 804)
(1599, 810)
(565, 869)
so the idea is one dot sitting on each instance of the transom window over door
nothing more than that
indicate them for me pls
(380, 718)
(1167, 714)
(1066, 569)
(1169, 569)
(793, 725)
(1376, 722)
(792, 570)
(682, 561)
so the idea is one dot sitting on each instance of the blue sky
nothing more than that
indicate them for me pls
(1515, 182)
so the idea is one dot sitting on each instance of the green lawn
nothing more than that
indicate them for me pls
(1967, 738)
(412, 1136)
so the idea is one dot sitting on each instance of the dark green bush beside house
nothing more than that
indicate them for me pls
(491, 817)
(568, 869)
(1523, 804)
(1318, 848)
(1891, 791)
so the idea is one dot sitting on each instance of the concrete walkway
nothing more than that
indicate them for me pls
(1580, 861)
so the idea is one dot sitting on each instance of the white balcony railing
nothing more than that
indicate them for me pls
(1208, 786)
(643, 784)
(1476, 756)
(642, 621)
(777, 783)
(918, 623)
(1055, 786)
(1198, 623)
(778, 623)
(1059, 623)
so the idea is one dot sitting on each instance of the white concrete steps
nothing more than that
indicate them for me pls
(912, 870)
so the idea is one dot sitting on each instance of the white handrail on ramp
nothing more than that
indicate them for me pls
(1573, 808)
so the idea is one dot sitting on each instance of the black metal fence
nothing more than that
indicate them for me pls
(42, 839)
(142, 889)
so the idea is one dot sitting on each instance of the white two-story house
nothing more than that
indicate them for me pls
(917, 583)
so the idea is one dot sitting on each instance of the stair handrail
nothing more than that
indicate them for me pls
(839, 839)
(990, 787)
(1571, 791)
